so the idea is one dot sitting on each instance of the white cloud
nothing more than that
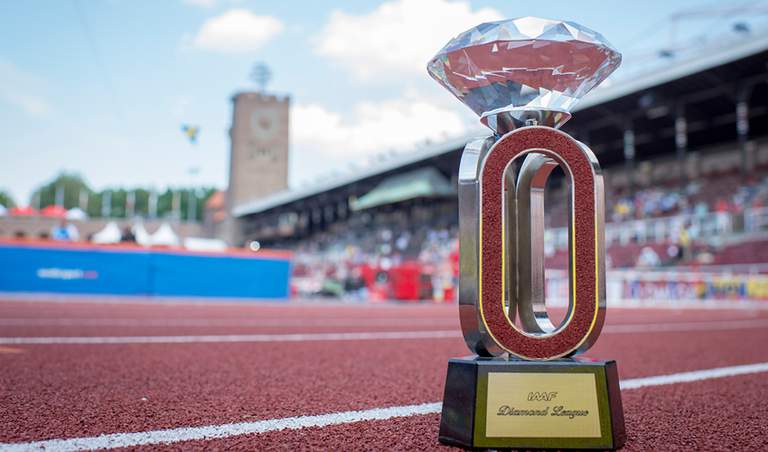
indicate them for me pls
(22, 90)
(237, 31)
(398, 37)
(325, 141)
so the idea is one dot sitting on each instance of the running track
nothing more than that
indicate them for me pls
(291, 377)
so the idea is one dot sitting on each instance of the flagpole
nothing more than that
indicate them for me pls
(106, 204)
(152, 207)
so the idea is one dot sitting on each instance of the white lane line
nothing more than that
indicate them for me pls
(176, 435)
(297, 337)
(695, 375)
(363, 336)
(194, 322)
(686, 326)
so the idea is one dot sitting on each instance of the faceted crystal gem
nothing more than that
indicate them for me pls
(524, 65)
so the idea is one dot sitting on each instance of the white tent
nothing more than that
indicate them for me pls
(110, 234)
(76, 214)
(3, 211)
(165, 236)
(142, 236)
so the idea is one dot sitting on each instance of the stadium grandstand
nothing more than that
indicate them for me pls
(683, 148)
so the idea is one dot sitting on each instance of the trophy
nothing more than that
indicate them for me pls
(523, 387)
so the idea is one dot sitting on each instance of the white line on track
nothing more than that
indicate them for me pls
(686, 326)
(695, 375)
(176, 435)
(295, 337)
(361, 336)
(330, 322)
(203, 322)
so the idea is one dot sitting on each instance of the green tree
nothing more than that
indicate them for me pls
(166, 199)
(70, 185)
(165, 204)
(6, 200)
(93, 209)
(141, 202)
(119, 196)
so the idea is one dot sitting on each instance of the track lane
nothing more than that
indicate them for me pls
(707, 415)
(68, 391)
(49, 391)
(122, 309)
(251, 428)
(371, 332)
(26, 319)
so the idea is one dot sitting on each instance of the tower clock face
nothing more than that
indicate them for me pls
(264, 124)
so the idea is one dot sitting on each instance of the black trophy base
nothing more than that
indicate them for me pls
(561, 404)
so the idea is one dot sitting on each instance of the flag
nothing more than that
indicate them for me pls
(190, 132)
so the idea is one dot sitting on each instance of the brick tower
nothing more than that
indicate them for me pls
(258, 163)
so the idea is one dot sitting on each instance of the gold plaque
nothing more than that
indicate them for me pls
(542, 405)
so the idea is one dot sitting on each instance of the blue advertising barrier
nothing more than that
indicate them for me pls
(86, 269)
(195, 275)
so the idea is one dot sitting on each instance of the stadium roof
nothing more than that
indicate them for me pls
(710, 57)
(396, 161)
(725, 53)
(421, 183)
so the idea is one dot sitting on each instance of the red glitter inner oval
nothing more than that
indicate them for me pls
(565, 341)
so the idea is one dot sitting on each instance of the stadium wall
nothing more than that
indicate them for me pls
(81, 269)
(668, 287)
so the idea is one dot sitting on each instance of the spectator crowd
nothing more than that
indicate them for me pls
(331, 262)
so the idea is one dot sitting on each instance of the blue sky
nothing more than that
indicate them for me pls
(102, 87)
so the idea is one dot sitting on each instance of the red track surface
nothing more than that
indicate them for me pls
(59, 391)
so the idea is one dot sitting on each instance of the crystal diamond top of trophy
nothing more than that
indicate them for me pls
(523, 388)
(526, 68)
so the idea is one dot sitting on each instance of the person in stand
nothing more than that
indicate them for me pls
(684, 241)
(648, 258)
(65, 232)
(127, 235)
(73, 232)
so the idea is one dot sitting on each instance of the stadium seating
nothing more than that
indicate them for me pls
(669, 223)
